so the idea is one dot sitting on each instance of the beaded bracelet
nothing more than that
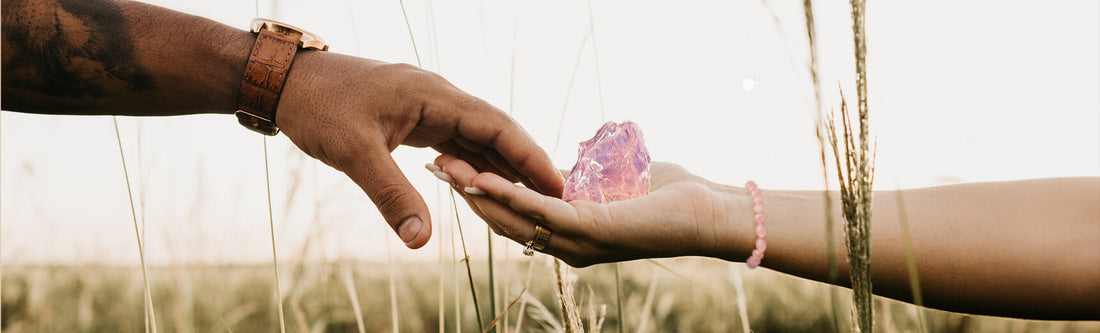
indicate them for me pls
(761, 231)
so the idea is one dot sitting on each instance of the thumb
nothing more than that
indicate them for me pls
(398, 201)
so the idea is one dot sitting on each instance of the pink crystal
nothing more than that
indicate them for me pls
(612, 166)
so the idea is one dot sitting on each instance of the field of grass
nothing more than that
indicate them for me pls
(691, 295)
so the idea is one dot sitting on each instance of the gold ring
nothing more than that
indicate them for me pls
(539, 242)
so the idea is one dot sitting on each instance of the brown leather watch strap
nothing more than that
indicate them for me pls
(264, 76)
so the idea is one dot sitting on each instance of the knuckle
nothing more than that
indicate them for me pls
(390, 198)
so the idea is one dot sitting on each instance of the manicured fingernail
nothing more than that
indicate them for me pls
(409, 229)
(474, 190)
(432, 167)
(443, 176)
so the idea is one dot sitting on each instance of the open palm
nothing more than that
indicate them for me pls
(678, 217)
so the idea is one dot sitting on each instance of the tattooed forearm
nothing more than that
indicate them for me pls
(62, 55)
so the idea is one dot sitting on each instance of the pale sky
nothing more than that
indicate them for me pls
(960, 91)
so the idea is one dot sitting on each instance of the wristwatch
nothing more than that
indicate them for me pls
(266, 72)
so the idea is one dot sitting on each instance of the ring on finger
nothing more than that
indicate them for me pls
(538, 242)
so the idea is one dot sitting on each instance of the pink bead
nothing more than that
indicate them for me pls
(752, 262)
(757, 207)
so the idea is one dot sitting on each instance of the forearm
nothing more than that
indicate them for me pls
(118, 57)
(1023, 248)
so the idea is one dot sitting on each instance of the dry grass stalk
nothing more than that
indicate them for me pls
(492, 275)
(1, 281)
(349, 285)
(298, 313)
(504, 314)
(619, 297)
(274, 256)
(571, 314)
(910, 260)
(595, 321)
(442, 297)
(393, 288)
(466, 259)
(523, 306)
(678, 274)
(152, 317)
(820, 128)
(739, 288)
(856, 174)
(859, 242)
(541, 315)
(830, 237)
(455, 270)
(647, 305)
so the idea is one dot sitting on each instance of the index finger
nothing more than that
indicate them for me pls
(499, 131)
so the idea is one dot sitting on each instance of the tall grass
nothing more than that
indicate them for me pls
(910, 259)
(349, 285)
(234, 298)
(148, 299)
(274, 255)
(469, 271)
(570, 312)
(819, 131)
(856, 173)
(858, 201)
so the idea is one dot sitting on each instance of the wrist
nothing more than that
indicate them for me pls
(230, 53)
(734, 224)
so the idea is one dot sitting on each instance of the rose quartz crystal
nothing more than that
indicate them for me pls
(612, 166)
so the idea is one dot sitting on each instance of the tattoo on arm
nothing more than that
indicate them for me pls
(65, 53)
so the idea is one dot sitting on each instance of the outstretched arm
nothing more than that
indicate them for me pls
(118, 57)
(1021, 248)
(129, 58)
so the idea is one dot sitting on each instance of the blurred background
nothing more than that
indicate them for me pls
(959, 91)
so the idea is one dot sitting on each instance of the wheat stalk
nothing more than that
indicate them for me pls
(570, 312)
(856, 174)
(860, 242)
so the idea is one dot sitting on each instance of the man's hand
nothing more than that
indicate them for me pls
(350, 113)
(129, 58)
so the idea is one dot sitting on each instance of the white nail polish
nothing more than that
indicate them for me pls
(432, 167)
(475, 191)
(443, 176)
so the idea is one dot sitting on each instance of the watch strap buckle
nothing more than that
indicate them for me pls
(257, 123)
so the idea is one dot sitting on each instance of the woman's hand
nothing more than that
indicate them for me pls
(683, 214)
(350, 113)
